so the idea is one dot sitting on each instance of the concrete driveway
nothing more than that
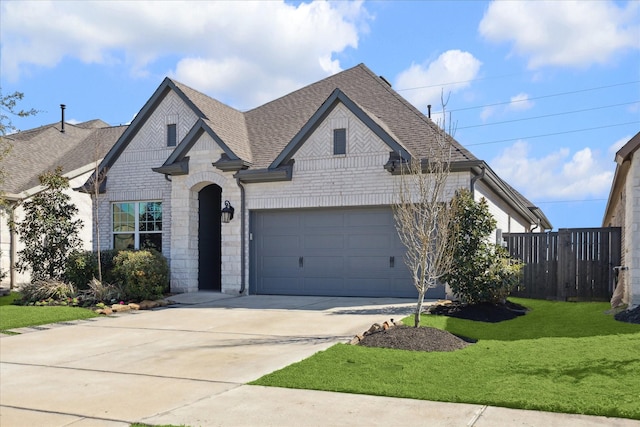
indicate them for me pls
(188, 364)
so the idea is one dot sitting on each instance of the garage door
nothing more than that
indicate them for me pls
(330, 252)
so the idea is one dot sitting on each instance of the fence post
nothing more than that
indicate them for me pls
(566, 264)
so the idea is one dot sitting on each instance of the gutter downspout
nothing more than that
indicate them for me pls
(472, 184)
(12, 247)
(242, 238)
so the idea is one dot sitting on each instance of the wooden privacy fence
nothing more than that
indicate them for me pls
(570, 265)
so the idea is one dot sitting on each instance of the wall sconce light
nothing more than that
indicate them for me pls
(226, 215)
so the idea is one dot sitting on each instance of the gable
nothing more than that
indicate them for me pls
(360, 139)
(337, 98)
(147, 112)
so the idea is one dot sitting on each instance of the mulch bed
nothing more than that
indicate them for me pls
(432, 339)
(484, 312)
(417, 339)
(629, 316)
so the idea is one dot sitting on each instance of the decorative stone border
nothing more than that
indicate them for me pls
(374, 329)
(144, 305)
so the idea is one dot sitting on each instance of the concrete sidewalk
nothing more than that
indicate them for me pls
(188, 365)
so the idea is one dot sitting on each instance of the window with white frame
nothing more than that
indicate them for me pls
(137, 225)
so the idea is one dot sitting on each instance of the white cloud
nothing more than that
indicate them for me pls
(520, 102)
(563, 33)
(272, 45)
(429, 80)
(557, 175)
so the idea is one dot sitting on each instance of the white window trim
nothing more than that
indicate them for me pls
(136, 232)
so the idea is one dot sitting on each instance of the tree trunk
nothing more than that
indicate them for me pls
(416, 318)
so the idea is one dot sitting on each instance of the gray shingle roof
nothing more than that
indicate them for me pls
(228, 123)
(260, 135)
(44, 148)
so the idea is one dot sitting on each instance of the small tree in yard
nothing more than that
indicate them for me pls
(483, 272)
(49, 230)
(422, 216)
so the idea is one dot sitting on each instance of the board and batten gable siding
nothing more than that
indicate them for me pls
(184, 225)
(322, 179)
(131, 179)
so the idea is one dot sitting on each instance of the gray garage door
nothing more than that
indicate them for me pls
(333, 252)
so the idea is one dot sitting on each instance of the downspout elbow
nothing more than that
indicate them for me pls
(474, 179)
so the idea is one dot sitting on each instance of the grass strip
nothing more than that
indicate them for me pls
(560, 357)
(16, 316)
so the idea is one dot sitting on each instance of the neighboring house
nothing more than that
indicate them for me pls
(623, 210)
(76, 149)
(311, 176)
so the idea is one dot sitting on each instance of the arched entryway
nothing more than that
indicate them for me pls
(209, 238)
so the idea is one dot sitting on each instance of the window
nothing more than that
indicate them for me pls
(172, 136)
(137, 225)
(339, 141)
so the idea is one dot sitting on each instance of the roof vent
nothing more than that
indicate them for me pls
(429, 110)
(385, 80)
(62, 107)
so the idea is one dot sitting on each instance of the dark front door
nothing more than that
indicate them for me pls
(209, 237)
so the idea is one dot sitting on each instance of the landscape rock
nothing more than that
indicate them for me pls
(120, 307)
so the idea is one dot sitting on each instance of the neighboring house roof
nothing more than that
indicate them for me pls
(623, 159)
(42, 149)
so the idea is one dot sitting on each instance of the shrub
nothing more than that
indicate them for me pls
(98, 292)
(143, 274)
(482, 271)
(82, 267)
(41, 290)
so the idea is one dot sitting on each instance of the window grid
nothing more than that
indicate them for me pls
(137, 225)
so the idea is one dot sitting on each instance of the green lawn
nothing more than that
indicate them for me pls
(560, 357)
(16, 316)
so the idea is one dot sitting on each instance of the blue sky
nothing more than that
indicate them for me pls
(545, 92)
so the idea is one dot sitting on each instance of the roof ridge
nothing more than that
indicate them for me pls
(317, 82)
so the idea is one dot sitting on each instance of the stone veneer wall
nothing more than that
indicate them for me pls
(184, 226)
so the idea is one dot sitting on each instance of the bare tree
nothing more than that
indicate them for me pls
(95, 182)
(423, 215)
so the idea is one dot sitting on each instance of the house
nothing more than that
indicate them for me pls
(310, 177)
(73, 147)
(623, 210)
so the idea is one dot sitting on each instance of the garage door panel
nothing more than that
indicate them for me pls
(370, 241)
(324, 241)
(371, 218)
(324, 286)
(278, 285)
(359, 264)
(284, 220)
(280, 265)
(324, 219)
(323, 266)
(282, 243)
